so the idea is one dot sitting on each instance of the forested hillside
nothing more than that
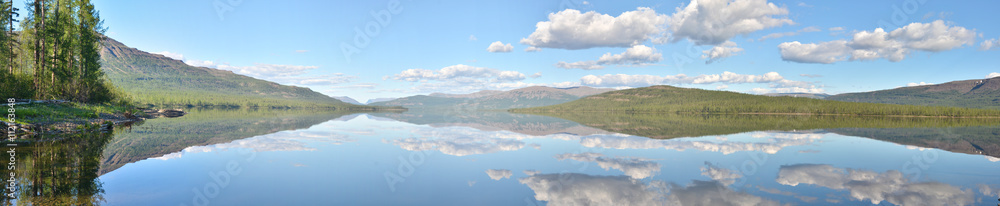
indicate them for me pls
(159, 80)
(663, 99)
(976, 93)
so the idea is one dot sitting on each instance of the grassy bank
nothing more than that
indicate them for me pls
(42, 113)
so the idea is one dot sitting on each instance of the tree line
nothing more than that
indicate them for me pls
(53, 52)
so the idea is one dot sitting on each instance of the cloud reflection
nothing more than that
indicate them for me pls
(637, 168)
(281, 141)
(775, 143)
(496, 174)
(890, 186)
(583, 189)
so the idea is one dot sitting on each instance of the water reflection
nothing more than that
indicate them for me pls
(866, 185)
(62, 171)
(584, 189)
(323, 158)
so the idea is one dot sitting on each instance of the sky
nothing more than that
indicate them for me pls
(397, 48)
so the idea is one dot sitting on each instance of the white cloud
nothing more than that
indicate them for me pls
(498, 46)
(281, 141)
(171, 55)
(722, 175)
(536, 75)
(776, 143)
(583, 189)
(265, 71)
(826, 52)
(461, 141)
(785, 34)
(496, 174)
(532, 49)
(991, 75)
(836, 28)
(636, 55)
(608, 80)
(585, 65)
(712, 22)
(571, 29)
(879, 44)
(989, 44)
(721, 87)
(811, 75)
(473, 38)
(301, 51)
(803, 4)
(913, 84)
(197, 63)
(337, 78)
(721, 51)
(638, 168)
(890, 186)
(461, 73)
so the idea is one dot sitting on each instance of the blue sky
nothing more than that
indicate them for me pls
(445, 46)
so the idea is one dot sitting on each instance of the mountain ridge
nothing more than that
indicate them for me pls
(155, 79)
(492, 100)
(974, 93)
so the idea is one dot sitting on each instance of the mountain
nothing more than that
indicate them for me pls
(379, 100)
(976, 93)
(668, 99)
(158, 80)
(494, 100)
(807, 95)
(468, 96)
(348, 100)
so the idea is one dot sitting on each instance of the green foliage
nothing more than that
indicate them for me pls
(56, 50)
(38, 113)
(667, 99)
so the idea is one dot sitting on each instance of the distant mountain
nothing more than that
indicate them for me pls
(976, 93)
(469, 96)
(348, 100)
(379, 100)
(159, 80)
(668, 99)
(493, 100)
(807, 95)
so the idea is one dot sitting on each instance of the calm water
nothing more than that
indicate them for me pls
(241, 157)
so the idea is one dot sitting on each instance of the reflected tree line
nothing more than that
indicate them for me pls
(59, 172)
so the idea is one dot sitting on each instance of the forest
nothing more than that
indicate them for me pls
(53, 52)
(668, 99)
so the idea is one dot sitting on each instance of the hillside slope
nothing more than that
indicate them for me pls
(977, 93)
(159, 80)
(686, 100)
(494, 100)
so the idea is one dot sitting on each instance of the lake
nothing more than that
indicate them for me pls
(306, 157)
